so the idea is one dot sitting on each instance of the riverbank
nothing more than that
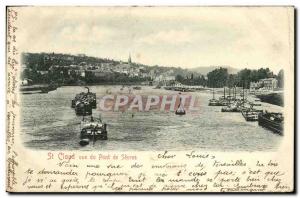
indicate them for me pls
(272, 98)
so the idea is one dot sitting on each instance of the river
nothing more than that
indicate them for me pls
(49, 123)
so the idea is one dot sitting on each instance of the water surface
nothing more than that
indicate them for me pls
(48, 122)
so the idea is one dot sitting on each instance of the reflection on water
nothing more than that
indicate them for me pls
(48, 122)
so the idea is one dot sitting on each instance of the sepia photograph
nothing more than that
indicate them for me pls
(167, 83)
(140, 67)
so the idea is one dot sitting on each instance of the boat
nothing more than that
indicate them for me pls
(108, 91)
(180, 110)
(241, 108)
(241, 102)
(157, 87)
(50, 87)
(169, 88)
(85, 97)
(255, 104)
(213, 102)
(221, 102)
(92, 130)
(183, 89)
(37, 88)
(271, 121)
(137, 88)
(83, 108)
(251, 114)
(84, 141)
(230, 98)
(233, 107)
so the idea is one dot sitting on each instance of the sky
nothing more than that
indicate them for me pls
(188, 37)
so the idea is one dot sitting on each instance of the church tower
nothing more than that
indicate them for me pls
(129, 59)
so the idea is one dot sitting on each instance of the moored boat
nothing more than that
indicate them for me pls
(255, 104)
(214, 102)
(84, 141)
(37, 88)
(233, 107)
(137, 88)
(157, 87)
(271, 121)
(251, 114)
(88, 97)
(83, 108)
(222, 101)
(92, 130)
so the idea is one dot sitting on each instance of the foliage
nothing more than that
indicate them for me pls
(280, 78)
(220, 77)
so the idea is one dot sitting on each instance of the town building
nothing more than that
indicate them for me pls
(266, 84)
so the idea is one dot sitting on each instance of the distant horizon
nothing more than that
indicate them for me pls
(132, 59)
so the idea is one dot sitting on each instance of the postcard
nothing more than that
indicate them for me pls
(150, 99)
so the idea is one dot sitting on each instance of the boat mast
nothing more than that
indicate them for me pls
(229, 94)
(213, 93)
(234, 92)
(224, 92)
(243, 95)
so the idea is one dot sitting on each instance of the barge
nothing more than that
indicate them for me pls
(88, 97)
(271, 121)
(83, 108)
(251, 115)
(37, 88)
(92, 130)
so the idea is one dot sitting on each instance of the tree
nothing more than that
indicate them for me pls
(232, 80)
(217, 77)
(280, 78)
(179, 78)
(243, 77)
